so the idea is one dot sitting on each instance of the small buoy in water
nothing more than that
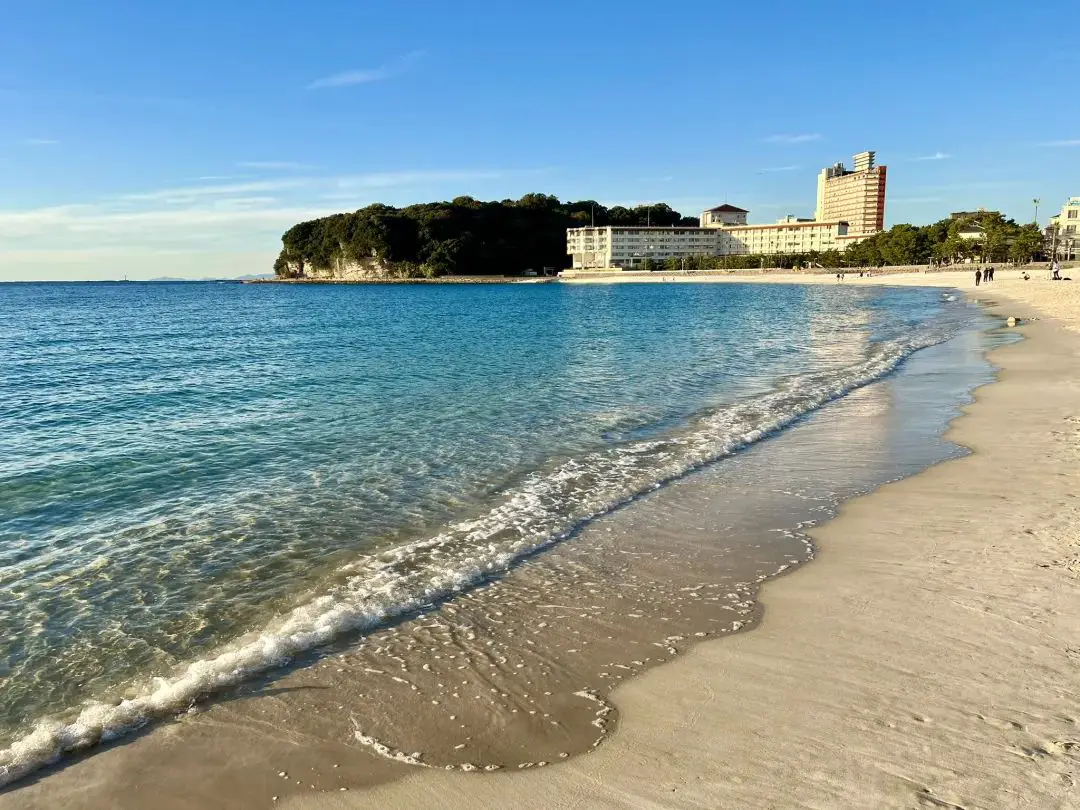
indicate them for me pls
(1012, 321)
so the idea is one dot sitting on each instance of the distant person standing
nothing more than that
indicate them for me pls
(1055, 271)
(978, 277)
(989, 273)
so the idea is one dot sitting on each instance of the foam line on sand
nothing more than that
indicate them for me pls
(929, 656)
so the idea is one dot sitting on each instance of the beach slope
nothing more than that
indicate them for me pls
(928, 657)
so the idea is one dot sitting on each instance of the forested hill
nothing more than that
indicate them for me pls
(462, 237)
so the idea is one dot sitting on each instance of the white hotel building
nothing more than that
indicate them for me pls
(628, 248)
(1067, 227)
(723, 232)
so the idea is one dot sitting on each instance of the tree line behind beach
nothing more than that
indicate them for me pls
(471, 237)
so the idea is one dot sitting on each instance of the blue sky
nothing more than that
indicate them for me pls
(147, 139)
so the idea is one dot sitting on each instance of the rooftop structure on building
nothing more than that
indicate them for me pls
(723, 215)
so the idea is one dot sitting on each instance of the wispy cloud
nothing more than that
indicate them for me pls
(273, 165)
(41, 142)
(367, 75)
(788, 138)
(778, 169)
(935, 156)
(193, 193)
(84, 220)
(243, 218)
(1067, 142)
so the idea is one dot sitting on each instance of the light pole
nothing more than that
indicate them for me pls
(1036, 201)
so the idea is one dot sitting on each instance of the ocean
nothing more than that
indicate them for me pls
(201, 483)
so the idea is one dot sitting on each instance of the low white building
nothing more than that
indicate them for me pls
(615, 247)
(631, 247)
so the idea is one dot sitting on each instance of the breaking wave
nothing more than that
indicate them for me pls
(548, 506)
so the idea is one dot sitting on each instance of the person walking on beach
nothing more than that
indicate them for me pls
(989, 273)
(978, 277)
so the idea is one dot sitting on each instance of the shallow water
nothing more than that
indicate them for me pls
(187, 469)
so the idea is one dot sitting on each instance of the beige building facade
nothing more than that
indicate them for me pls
(788, 235)
(855, 196)
(1066, 241)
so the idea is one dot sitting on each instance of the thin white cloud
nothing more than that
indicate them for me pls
(799, 138)
(935, 156)
(778, 169)
(84, 221)
(204, 218)
(368, 75)
(41, 142)
(1067, 142)
(191, 193)
(273, 165)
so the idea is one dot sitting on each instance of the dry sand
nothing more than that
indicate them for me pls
(928, 658)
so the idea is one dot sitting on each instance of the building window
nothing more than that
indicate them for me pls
(1072, 213)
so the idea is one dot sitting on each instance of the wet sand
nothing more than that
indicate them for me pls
(928, 658)
(518, 675)
(860, 663)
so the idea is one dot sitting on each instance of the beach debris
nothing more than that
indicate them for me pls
(1012, 320)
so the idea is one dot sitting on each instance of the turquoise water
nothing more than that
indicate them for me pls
(200, 481)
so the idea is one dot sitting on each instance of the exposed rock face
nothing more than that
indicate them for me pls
(341, 269)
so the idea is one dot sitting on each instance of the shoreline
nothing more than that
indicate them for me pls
(383, 281)
(404, 793)
(923, 660)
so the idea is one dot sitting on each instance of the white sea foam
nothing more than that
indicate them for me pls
(544, 509)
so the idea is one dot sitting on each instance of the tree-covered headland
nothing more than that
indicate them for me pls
(461, 237)
(470, 237)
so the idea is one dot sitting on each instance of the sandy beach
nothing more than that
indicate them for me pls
(925, 658)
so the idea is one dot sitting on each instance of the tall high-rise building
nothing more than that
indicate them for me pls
(855, 196)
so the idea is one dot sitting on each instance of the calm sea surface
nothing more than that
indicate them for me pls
(199, 481)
